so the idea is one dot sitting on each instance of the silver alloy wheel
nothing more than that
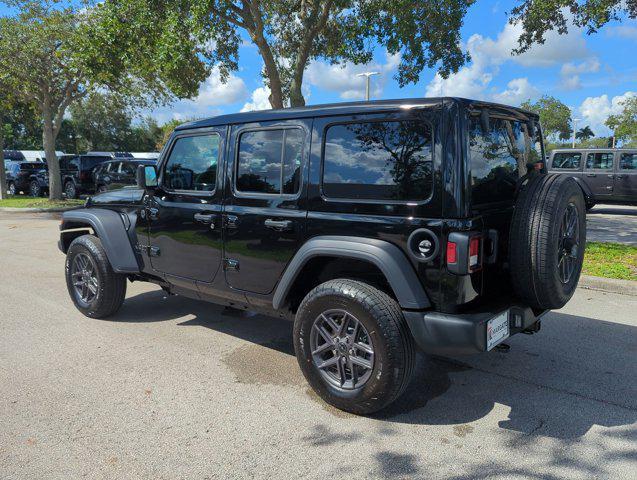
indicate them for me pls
(84, 278)
(342, 349)
(69, 190)
(12, 189)
(568, 243)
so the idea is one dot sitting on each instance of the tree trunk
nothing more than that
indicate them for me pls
(49, 135)
(3, 176)
(296, 95)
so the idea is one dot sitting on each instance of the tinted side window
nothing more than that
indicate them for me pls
(192, 164)
(628, 161)
(567, 161)
(378, 160)
(270, 161)
(128, 168)
(499, 158)
(599, 161)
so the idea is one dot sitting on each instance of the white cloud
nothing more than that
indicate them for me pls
(260, 100)
(570, 72)
(343, 78)
(623, 31)
(595, 110)
(488, 54)
(213, 93)
(518, 90)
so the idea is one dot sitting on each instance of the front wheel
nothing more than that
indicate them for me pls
(95, 289)
(11, 188)
(353, 345)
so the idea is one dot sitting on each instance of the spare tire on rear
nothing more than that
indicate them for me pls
(547, 240)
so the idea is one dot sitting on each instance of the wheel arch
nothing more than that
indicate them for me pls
(589, 198)
(383, 256)
(109, 227)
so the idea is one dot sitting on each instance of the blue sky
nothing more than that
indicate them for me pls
(591, 74)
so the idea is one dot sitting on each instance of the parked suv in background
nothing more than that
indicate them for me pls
(605, 175)
(117, 173)
(377, 227)
(77, 173)
(28, 177)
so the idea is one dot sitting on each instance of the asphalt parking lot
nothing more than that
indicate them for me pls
(173, 388)
(612, 223)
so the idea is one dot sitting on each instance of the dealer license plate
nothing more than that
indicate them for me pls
(497, 329)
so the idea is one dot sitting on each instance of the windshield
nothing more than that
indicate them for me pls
(33, 166)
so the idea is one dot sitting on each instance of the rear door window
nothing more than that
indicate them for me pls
(628, 161)
(567, 160)
(270, 161)
(599, 161)
(378, 160)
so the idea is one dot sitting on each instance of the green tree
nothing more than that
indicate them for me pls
(56, 54)
(584, 134)
(290, 33)
(624, 124)
(555, 117)
(102, 122)
(538, 17)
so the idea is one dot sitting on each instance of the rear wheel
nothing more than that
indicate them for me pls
(547, 240)
(353, 345)
(11, 188)
(34, 188)
(95, 289)
(69, 190)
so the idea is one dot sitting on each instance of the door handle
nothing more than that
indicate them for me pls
(205, 218)
(621, 176)
(591, 174)
(610, 175)
(281, 225)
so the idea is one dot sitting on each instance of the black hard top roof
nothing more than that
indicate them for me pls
(345, 108)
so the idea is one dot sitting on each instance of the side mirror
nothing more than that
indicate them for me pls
(146, 176)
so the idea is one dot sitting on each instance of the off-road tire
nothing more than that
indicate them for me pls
(111, 289)
(535, 240)
(394, 350)
(34, 189)
(70, 190)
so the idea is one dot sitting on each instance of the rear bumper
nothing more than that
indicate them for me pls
(464, 334)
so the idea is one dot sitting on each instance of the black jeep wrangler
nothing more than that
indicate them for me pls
(377, 227)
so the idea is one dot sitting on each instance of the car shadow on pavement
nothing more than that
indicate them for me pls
(576, 373)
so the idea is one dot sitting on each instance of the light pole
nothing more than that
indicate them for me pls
(367, 74)
(575, 120)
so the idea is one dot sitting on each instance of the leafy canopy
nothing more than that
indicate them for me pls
(624, 124)
(555, 117)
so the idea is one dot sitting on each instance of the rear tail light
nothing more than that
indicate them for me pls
(475, 254)
(452, 252)
(464, 252)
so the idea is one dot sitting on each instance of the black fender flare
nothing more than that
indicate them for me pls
(390, 260)
(109, 226)
(586, 190)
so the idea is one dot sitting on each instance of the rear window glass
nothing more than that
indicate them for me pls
(33, 166)
(90, 162)
(628, 161)
(378, 161)
(499, 157)
(567, 161)
(599, 161)
(270, 161)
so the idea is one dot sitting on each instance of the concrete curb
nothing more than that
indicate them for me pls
(39, 210)
(611, 285)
